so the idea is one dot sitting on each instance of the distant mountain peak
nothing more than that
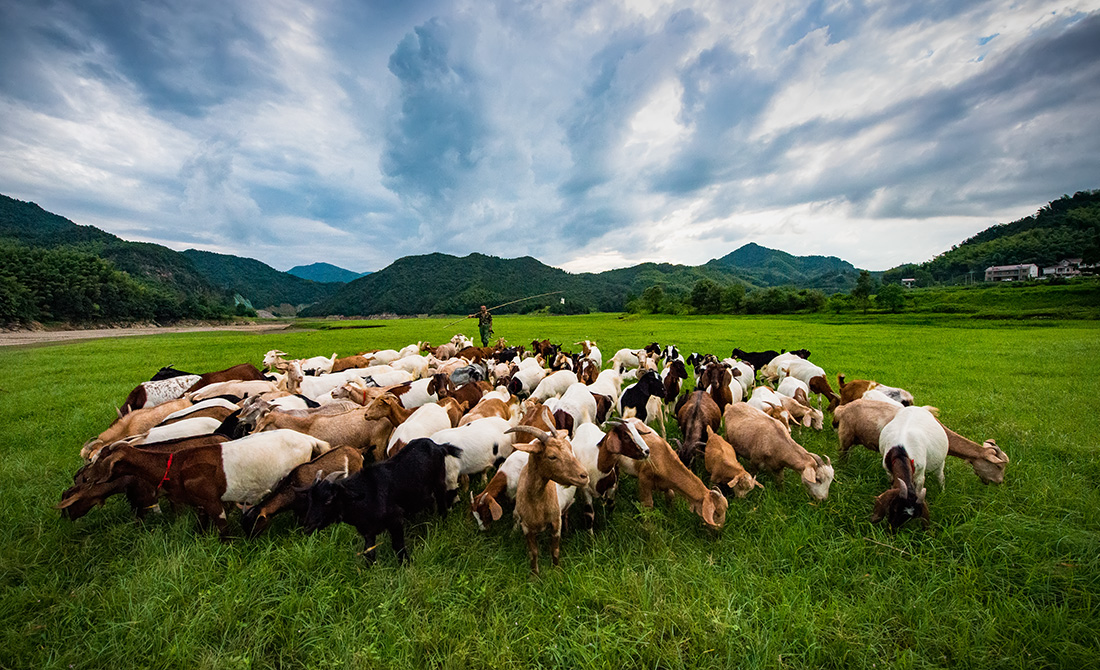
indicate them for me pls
(325, 272)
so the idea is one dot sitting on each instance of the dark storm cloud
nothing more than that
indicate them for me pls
(434, 140)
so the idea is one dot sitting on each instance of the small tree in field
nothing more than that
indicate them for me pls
(862, 292)
(891, 297)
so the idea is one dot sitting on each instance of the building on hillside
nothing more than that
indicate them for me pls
(908, 283)
(1012, 272)
(1070, 267)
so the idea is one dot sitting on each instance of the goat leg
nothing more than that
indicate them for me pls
(555, 548)
(397, 538)
(533, 552)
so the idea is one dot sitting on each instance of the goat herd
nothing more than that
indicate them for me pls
(374, 438)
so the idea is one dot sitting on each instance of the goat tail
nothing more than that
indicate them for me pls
(934, 410)
(451, 450)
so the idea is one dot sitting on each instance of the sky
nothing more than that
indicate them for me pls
(591, 135)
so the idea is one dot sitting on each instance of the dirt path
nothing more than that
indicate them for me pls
(26, 337)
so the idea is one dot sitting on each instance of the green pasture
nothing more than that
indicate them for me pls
(1007, 576)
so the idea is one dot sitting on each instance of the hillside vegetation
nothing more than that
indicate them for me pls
(58, 270)
(260, 283)
(1068, 227)
(443, 284)
(325, 272)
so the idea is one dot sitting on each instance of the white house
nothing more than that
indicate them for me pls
(1011, 272)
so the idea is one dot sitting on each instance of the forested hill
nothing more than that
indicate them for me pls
(443, 284)
(56, 270)
(769, 267)
(261, 284)
(325, 272)
(1068, 227)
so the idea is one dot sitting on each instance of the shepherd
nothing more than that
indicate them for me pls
(484, 324)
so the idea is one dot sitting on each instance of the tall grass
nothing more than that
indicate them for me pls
(1006, 577)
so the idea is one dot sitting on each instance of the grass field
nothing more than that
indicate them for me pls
(1007, 576)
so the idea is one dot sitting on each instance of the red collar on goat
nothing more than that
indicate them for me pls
(166, 469)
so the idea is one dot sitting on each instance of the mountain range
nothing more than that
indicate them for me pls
(197, 282)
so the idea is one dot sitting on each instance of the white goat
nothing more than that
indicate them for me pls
(554, 385)
(916, 430)
(483, 443)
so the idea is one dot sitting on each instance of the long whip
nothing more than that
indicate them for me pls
(530, 297)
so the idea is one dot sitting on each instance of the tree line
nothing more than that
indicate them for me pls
(67, 285)
(709, 297)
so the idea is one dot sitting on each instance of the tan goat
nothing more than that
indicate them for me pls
(767, 443)
(537, 509)
(724, 468)
(663, 471)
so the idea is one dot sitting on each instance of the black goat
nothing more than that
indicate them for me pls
(757, 359)
(382, 496)
(637, 395)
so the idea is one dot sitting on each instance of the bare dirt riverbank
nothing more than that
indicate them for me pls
(32, 337)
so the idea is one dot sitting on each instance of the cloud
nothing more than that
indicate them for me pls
(580, 133)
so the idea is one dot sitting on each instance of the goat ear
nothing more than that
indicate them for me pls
(806, 420)
(530, 447)
(882, 504)
(495, 509)
(709, 510)
(809, 476)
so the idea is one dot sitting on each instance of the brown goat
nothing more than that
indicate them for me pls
(134, 422)
(487, 407)
(551, 460)
(696, 413)
(347, 429)
(724, 468)
(987, 459)
(663, 471)
(767, 443)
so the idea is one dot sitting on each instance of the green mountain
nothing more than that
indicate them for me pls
(443, 284)
(134, 280)
(325, 272)
(262, 285)
(1068, 227)
(768, 267)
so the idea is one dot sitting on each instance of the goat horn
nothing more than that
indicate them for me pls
(903, 489)
(531, 430)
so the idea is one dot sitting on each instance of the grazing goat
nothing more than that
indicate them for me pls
(133, 423)
(208, 477)
(767, 443)
(924, 440)
(902, 501)
(350, 428)
(696, 412)
(986, 458)
(724, 468)
(551, 460)
(813, 376)
(663, 471)
(381, 497)
(290, 493)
